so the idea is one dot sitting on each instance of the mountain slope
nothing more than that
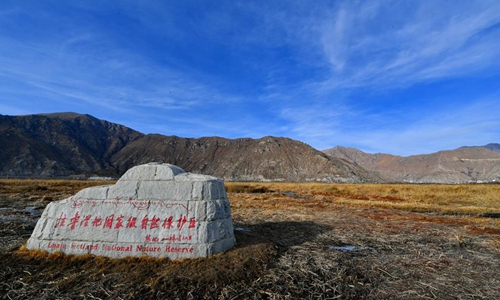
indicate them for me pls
(268, 158)
(466, 164)
(492, 147)
(58, 145)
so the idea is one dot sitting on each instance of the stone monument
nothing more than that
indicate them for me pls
(154, 209)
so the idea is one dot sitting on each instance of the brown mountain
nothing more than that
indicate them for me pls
(63, 144)
(465, 164)
(268, 158)
(492, 147)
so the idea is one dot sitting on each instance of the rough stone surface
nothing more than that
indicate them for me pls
(154, 210)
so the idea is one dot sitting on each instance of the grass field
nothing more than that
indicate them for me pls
(295, 241)
(455, 199)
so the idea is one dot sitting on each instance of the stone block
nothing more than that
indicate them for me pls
(221, 246)
(217, 230)
(222, 190)
(167, 173)
(139, 173)
(156, 190)
(217, 209)
(40, 229)
(194, 177)
(184, 191)
(227, 208)
(197, 193)
(198, 209)
(206, 190)
(34, 244)
(213, 190)
(168, 190)
(212, 212)
(123, 190)
(155, 210)
(97, 193)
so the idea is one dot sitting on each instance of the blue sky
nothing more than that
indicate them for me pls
(399, 77)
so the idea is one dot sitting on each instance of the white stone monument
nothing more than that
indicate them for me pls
(154, 210)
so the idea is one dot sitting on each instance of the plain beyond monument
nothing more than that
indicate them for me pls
(153, 209)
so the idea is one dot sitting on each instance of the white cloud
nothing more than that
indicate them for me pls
(124, 82)
(335, 40)
(377, 48)
(322, 58)
(380, 46)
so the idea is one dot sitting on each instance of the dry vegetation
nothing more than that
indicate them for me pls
(295, 241)
(454, 199)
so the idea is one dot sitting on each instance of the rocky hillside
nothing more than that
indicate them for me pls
(465, 164)
(268, 158)
(62, 144)
(58, 145)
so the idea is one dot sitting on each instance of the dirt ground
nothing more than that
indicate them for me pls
(288, 248)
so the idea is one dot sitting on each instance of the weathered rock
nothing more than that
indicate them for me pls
(154, 209)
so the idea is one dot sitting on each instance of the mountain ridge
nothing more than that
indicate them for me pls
(491, 146)
(65, 144)
(52, 145)
(59, 144)
(466, 164)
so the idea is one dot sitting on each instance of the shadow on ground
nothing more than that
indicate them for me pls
(35, 274)
(282, 234)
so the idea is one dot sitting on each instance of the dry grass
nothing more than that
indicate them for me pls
(399, 253)
(453, 199)
(45, 190)
(400, 242)
(49, 276)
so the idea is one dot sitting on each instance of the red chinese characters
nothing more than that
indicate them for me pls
(61, 220)
(74, 221)
(131, 222)
(119, 222)
(168, 223)
(97, 222)
(154, 222)
(85, 222)
(108, 223)
(125, 222)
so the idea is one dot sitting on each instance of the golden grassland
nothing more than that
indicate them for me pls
(475, 207)
(462, 199)
(37, 185)
(472, 201)
(45, 190)
(424, 241)
(451, 199)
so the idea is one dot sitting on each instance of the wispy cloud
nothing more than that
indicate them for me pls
(324, 72)
(408, 44)
(121, 83)
(368, 49)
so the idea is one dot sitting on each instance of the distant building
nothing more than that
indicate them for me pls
(101, 178)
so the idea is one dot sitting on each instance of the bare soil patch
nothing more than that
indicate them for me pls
(293, 243)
